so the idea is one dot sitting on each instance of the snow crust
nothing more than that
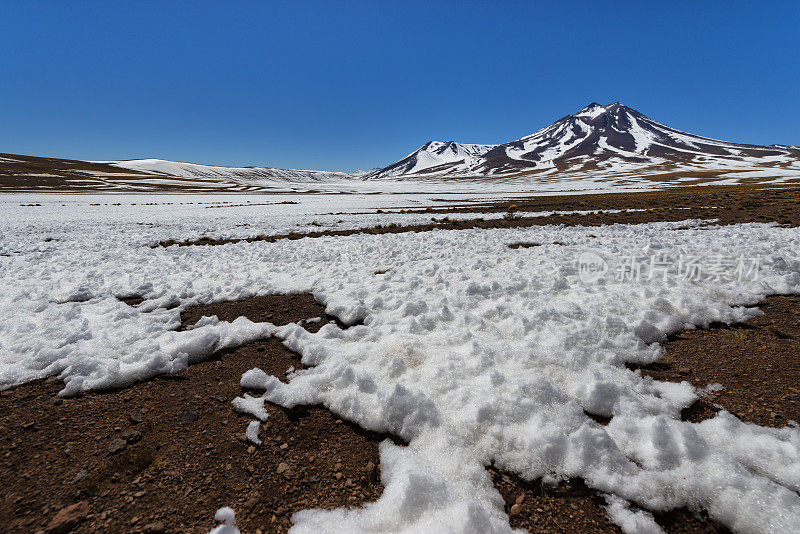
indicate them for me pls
(227, 517)
(253, 428)
(474, 353)
(631, 521)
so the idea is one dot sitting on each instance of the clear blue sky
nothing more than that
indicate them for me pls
(347, 85)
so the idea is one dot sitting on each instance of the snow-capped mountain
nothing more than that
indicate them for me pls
(600, 148)
(613, 138)
(434, 156)
(31, 173)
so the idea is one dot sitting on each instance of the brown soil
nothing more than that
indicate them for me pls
(572, 507)
(184, 456)
(728, 205)
(276, 309)
(540, 508)
(757, 363)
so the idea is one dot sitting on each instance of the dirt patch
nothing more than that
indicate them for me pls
(170, 451)
(267, 308)
(132, 300)
(573, 507)
(538, 507)
(757, 363)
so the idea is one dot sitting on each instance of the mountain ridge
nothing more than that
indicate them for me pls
(599, 147)
(611, 137)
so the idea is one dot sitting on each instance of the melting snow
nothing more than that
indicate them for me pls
(472, 352)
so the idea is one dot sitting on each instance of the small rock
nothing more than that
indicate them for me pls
(520, 499)
(57, 401)
(370, 467)
(685, 371)
(284, 446)
(68, 518)
(515, 509)
(283, 466)
(154, 528)
(83, 473)
(251, 449)
(338, 476)
(131, 436)
(116, 445)
(189, 416)
(136, 417)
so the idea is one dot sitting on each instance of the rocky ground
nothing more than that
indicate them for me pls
(163, 455)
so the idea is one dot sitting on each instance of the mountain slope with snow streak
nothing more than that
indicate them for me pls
(599, 149)
(198, 171)
(20, 173)
(612, 138)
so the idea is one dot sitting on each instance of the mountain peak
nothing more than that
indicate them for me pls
(609, 137)
(594, 109)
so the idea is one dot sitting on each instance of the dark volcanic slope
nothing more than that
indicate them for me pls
(19, 173)
(596, 138)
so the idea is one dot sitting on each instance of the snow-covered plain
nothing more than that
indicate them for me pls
(472, 352)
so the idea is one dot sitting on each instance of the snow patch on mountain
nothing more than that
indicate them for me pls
(198, 171)
(597, 138)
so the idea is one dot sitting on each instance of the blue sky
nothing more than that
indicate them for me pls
(347, 85)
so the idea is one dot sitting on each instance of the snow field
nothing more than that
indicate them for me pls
(472, 352)
(493, 357)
